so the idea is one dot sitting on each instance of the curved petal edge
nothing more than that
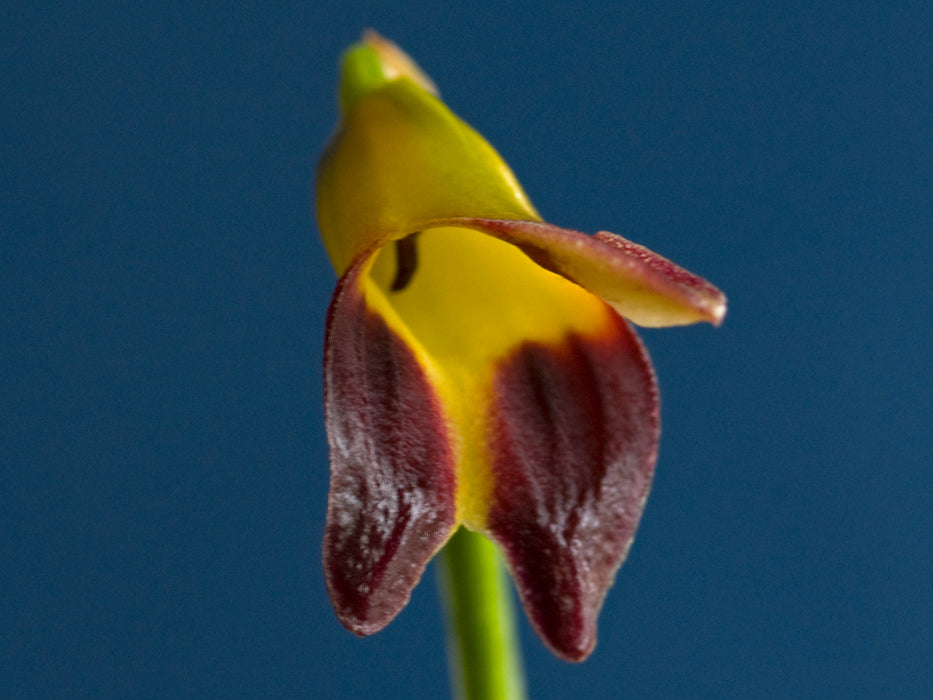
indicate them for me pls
(391, 502)
(642, 286)
(573, 434)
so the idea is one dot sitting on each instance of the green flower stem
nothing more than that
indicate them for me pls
(482, 641)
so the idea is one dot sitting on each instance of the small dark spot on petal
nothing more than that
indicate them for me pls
(406, 252)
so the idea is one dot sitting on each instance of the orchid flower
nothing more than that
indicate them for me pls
(479, 367)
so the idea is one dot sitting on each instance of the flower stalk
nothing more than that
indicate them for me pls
(482, 640)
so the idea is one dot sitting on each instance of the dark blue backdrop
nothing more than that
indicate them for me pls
(163, 465)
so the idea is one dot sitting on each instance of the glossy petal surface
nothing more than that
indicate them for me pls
(400, 159)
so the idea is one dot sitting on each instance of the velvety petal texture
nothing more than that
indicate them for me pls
(479, 368)
(574, 432)
(392, 487)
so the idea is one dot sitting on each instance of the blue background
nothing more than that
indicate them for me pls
(163, 467)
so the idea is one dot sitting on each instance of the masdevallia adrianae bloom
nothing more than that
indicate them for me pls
(479, 370)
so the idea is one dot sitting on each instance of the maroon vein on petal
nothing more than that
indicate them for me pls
(643, 286)
(391, 502)
(574, 433)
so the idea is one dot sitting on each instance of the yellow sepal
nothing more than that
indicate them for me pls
(399, 159)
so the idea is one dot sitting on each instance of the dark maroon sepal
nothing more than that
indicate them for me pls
(574, 434)
(391, 503)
